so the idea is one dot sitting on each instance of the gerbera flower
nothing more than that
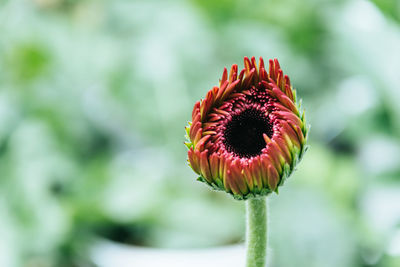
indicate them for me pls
(247, 135)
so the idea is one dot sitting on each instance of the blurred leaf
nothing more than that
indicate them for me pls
(28, 62)
(391, 8)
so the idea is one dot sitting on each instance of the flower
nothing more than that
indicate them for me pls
(247, 135)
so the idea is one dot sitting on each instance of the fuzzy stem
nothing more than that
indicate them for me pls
(256, 232)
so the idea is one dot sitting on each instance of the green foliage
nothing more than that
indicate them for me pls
(94, 97)
(28, 61)
(391, 8)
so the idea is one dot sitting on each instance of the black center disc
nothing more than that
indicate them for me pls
(244, 133)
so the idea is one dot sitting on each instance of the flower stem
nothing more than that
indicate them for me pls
(256, 232)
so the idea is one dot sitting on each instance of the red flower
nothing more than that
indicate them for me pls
(247, 135)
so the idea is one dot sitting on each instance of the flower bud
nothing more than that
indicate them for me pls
(248, 134)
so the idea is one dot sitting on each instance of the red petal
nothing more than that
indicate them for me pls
(284, 148)
(261, 64)
(241, 74)
(281, 107)
(286, 101)
(288, 92)
(266, 139)
(221, 91)
(248, 80)
(256, 172)
(224, 169)
(200, 145)
(277, 66)
(197, 136)
(275, 153)
(222, 112)
(204, 166)
(194, 160)
(273, 177)
(194, 129)
(254, 63)
(271, 70)
(214, 117)
(247, 65)
(233, 73)
(209, 125)
(221, 167)
(224, 77)
(279, 80)
(248, 177)
(238, 178)
(265, 161)
(229, 90)
(196, 109)
(229, 183)
(206, 104)
(263, 75)
(290, 133)
(290, 117)
(214, 165)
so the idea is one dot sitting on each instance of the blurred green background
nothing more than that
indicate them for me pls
(94, 97)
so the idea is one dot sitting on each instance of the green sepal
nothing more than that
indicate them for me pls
(218, 186)
(212, 185)
(189, 145)
(286, 172)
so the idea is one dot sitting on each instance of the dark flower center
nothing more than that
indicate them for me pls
(244, 133)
